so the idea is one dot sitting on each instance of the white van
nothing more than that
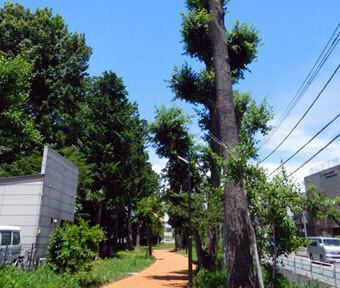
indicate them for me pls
(10, 244)
(325, 249)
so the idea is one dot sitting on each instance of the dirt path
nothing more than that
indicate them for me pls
(169, 270)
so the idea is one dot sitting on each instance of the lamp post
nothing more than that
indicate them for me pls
(189, 224)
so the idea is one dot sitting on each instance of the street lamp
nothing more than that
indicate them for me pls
(189, 224)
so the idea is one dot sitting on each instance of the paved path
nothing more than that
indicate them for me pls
(169, 270)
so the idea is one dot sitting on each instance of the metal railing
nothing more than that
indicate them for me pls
(326, 165)
(321, 271)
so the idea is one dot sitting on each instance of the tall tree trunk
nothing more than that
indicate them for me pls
(199, 250)
(204, 260)
(239, 259)
(149, 240)
(116, 233)
(129, 227)
(213, 233)
(224, 246)
(138, 238)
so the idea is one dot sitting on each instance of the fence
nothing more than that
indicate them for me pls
(324, 272)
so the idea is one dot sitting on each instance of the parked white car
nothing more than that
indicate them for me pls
(325, 249)
(10, 244)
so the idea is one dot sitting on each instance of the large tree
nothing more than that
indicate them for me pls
(17, 130)
(239, 259)
(200, 87)
(60, 63)
(113, 142)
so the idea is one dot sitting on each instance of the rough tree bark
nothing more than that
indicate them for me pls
(239, 259)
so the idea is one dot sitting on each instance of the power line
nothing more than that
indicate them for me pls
(303, 88)
(303, 146)
(303, 116)
(309, 79)
(323, 148)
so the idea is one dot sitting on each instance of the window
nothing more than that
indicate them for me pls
(6, 238)
(331, 242)
(16, 238)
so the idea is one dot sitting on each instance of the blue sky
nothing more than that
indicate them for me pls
(140, 41)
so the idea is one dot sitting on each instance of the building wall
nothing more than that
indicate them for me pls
(328, 181)
(59, 195)
(39, 203)
(20, 199)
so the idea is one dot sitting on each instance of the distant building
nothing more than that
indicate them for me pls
(168, 232)
(39, 203)
(327, 179)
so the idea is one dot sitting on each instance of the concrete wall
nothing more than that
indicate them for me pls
(20, 199)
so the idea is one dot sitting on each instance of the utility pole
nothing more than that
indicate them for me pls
(189, 220)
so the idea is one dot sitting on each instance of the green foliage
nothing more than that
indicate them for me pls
(319, 206)
(125, 263)
(217, 279)
(210, 279)
(149, 211)
(43, 277)
(243, 40)
(269, 201)
(60, 61)
(72, 247)
(17, 130)
(27, 164)
(104, 271)
(170, 134)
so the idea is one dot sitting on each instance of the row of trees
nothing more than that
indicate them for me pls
(47, 98)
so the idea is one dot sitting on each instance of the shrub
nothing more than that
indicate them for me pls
(72, 247)
(210, 279)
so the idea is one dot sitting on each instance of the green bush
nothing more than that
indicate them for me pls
(210, 279)
(72, 247)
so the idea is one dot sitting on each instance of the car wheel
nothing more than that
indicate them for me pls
(321, 258)
(311, 256)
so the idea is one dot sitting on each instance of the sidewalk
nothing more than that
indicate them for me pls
(169, 270)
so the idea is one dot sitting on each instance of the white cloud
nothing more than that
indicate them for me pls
(324, 110)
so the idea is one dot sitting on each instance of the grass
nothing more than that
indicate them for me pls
(127, 262)
(104, 271)
(164, 246)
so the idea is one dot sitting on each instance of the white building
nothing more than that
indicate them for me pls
(37, 203)
(168, 232)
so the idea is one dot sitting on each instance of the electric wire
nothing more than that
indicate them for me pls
(303, 146)
(323, 148)
(300, 92)
(219, 142)
(303, 116)
(308, 80)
